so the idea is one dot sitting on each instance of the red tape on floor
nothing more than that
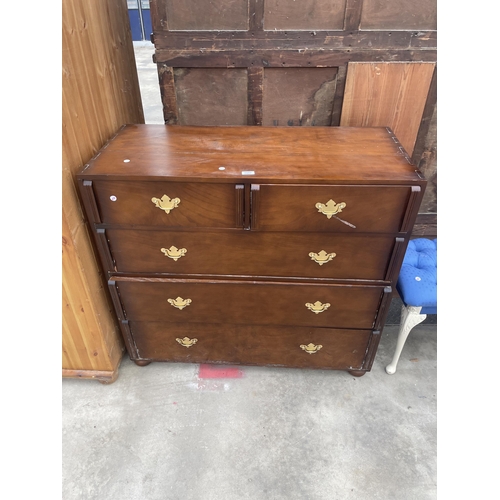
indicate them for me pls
(214, 371)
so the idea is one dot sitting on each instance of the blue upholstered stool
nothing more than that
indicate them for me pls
(417, 287)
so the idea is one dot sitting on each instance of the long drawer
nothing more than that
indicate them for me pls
(251, 345)
(249, 253)
(249, 303)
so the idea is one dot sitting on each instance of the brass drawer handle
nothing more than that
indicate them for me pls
(330, 208)
(174, 252)
(311, 348)
(322, 257)
(179, 302)
(165, 203)
(317, 307)
(187, 342)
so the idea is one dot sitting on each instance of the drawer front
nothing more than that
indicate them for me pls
(349, 209)
(169, 204)
(251, 345)
(256, 303)
(251, 253)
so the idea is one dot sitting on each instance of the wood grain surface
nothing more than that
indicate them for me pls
(252, 345)
(249, 303)
(387, 94)
(213, 205)
(293, 208)
(100, 92)
(250, 253)
(279, 154)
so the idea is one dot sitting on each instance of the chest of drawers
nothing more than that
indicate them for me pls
(252, 245)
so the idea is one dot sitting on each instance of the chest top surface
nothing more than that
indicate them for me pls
(254, 154)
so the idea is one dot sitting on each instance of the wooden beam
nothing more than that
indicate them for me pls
(255, 86)
(279, 40)
(352, 18)
(287, 58)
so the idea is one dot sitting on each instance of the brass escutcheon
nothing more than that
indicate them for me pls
(186, 341)
(165, 203)
(330, 208)
(311, 348)
(179, 302)
(317, 307)
(322, 257)
(174, 252)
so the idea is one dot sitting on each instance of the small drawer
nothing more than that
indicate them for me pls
(252, 253)
(347, 209)
(169, 204)
(249, 303)
(251, 345)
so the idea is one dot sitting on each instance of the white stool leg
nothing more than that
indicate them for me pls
(410, 317)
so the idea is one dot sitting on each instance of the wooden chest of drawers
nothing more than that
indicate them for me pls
(252, 245)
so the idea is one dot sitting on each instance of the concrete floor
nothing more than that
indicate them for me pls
(168, 431)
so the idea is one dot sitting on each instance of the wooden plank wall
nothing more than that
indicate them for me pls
(385, 94)
(100, 93)
(304, 63)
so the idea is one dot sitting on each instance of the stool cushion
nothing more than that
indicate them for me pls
(417, 282)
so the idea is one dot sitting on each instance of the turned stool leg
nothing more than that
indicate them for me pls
(410, 317)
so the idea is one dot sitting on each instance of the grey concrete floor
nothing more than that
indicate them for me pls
(165, 431)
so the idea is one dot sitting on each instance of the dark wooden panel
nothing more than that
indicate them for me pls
(251, 253)
(251, 345)
(425, 152)
(167, 92)
(206, 15)
(298, 96)
(425, 225)
(293, 208)
(304, 14)
(269, 303)
(211, 96)
(399, 14)
(199, 206)
(428, 165)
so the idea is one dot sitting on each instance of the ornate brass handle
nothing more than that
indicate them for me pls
(318, 307)
(165, 203)
(330, 208)
(179, 302)
(311, 348)
(174, 252)
(186, 341)
(322, 257)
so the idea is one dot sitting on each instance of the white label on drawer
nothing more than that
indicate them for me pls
(247, 172)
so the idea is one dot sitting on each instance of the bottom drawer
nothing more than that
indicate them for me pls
(299, 347)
